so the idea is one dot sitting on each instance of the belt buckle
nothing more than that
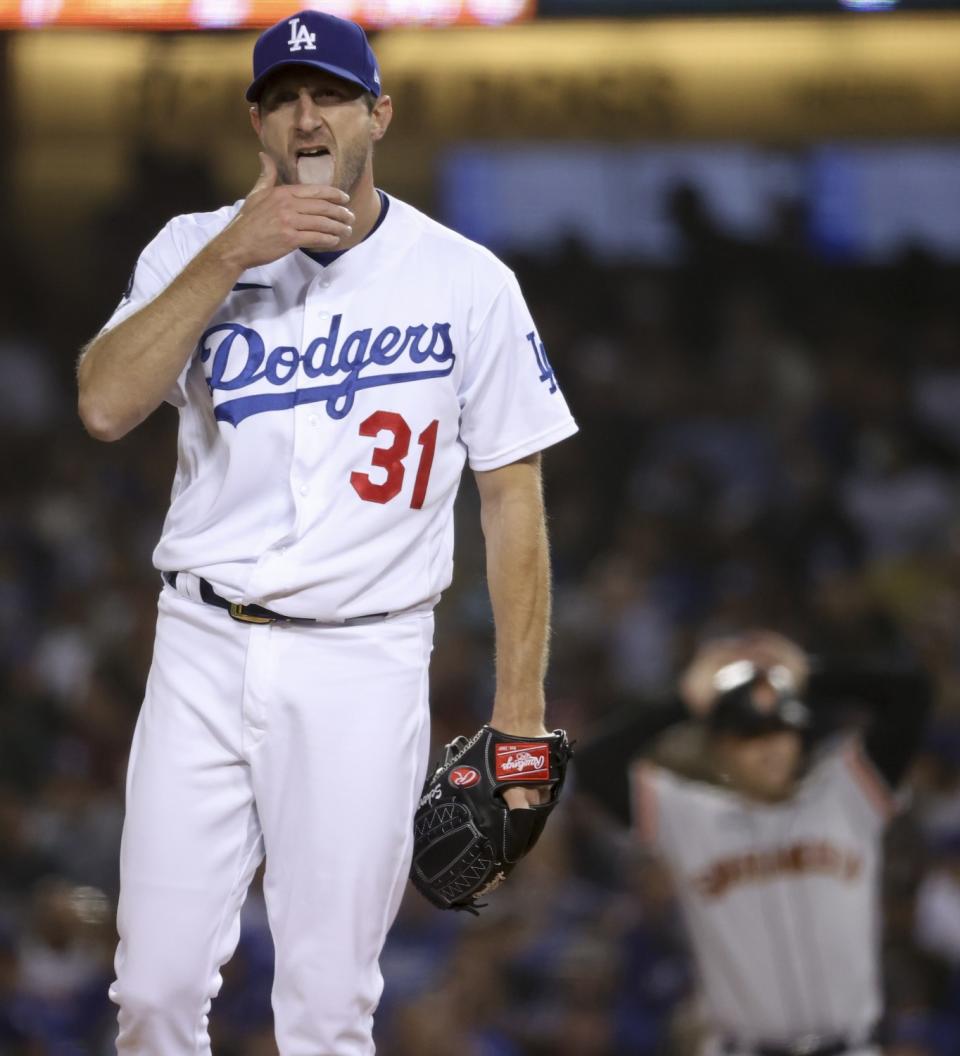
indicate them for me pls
(807, 1044)
(237, 612)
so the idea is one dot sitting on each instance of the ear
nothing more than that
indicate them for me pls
(255, 118)
(381, 116)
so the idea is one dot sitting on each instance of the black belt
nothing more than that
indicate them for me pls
(815, 1047)
(257, 613)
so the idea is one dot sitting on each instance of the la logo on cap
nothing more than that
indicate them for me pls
(301, 37)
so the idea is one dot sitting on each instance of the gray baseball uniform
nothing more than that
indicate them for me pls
(780, 900)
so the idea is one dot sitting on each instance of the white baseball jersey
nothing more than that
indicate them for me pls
(780, 900)
(328, 412)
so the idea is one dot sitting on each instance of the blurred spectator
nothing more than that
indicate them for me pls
(938, 902)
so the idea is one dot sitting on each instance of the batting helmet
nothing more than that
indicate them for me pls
(753, 700)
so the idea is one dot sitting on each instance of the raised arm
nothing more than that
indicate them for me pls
(897, 698)
(602, 763)
(125, 373)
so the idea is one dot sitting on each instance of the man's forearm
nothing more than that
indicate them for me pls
(518, 574)
(898, 696)
(602, 764)
(126, 373)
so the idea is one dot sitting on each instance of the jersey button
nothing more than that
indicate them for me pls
(303, 489)
(313, 419)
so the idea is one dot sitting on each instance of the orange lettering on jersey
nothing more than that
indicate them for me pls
(797, 859)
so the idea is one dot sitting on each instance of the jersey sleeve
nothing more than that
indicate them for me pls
(659, 801)
(157, 266)
(857, 786)
(644, 801)
(510, 403)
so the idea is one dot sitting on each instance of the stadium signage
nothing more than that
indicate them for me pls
(252, 14)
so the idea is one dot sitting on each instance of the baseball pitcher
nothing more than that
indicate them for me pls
(336, 358)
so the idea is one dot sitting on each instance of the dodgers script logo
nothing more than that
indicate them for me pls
(235, 358)
(301, 37)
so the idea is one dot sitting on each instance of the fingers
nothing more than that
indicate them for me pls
(308, 223)
(308, 215)
(317, 207)
(268, 174)
(277, 219)
(524, 798)
(696, 684)
(308, 226)
(763, 648)
(772, 644)
(320, 243)
(768, 649)
(312, 190)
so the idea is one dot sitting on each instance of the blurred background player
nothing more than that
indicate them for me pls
(776, 863)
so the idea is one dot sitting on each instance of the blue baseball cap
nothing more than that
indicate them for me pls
(311, 38)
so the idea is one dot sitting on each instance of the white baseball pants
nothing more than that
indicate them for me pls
(307, 743)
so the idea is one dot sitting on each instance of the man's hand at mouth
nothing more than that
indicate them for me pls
(276, 219)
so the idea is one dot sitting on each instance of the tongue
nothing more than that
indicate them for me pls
(318, 169)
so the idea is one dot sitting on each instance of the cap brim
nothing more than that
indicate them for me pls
(256, 87)
(791, 715)
(748, 728)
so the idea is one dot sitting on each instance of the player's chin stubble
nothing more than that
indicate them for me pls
(351, 165)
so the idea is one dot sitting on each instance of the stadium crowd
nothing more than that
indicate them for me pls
(769, 438)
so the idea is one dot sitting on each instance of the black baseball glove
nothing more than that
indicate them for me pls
(466, 840)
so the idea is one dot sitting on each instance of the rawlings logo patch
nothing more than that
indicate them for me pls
(463, 777)
(522, 762)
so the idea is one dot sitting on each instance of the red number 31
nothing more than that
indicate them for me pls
(391, 458)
